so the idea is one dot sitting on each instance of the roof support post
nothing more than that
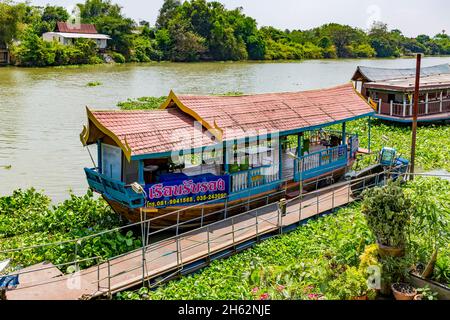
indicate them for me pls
(379, 104)
(369, 133)
(99, 155)
(391, 107)
(411, 106)
(280, 157)
(141, 179)
(426, 103)
(404, 106)
(344, 133)
(440, 100)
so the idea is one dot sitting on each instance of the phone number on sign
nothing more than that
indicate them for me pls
(185, 200)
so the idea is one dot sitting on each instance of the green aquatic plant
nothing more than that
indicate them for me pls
(94, 84)
(143, 103)
(27, 219)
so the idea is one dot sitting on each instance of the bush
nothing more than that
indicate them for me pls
(387, 212)
(349, 285)
(117, 57)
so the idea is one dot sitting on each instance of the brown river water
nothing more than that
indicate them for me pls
(42, 111)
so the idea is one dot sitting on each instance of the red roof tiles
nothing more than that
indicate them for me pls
(154, 131)
(174, 128)
(277, 112)
(82, 28)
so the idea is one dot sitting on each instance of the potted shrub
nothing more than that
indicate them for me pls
(394, 277)
(403, 291)
(387, 212)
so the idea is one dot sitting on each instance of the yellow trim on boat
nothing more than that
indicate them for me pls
(84, 136)
(214, 130)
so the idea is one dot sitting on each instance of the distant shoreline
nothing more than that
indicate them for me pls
(75, 66)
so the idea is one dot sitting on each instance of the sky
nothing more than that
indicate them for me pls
(412, 17)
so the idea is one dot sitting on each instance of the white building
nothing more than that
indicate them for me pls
(66, 34)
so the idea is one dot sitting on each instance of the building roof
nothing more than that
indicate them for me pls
(432, 82)
(223, 118)
(147, 132)
(371, 74)
(235, 117)
(96, 36)
(76, 28)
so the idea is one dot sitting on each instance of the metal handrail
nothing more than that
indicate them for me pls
(178, 238)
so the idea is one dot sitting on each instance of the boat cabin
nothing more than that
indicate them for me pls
(198, 149)
(391, 92)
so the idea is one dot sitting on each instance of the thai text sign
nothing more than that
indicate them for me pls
(187, 191)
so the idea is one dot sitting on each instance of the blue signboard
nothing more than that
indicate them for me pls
(184, 190)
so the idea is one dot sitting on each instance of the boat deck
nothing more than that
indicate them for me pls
(182, 254)
(444, 116)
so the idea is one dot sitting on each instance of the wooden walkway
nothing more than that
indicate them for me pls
(181, 254)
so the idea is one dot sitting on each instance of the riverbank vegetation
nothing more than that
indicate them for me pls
(27, 219)
(196, 30)
(325, 259)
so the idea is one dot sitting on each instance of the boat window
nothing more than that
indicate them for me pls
(130, 171)
(112, 162)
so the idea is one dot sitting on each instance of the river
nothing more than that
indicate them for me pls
(42, 111)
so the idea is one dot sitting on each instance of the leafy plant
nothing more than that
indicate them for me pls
(387, 212)
(349, 285)
(427, 293)
(442, 270)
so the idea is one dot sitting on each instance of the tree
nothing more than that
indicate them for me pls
(343, 37)
(10, 18)
(53, 14)
(93, 9)
(166, 13)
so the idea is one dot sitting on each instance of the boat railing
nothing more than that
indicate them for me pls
(320, 162)
(113, 189)
(405, 109)
(252, 178)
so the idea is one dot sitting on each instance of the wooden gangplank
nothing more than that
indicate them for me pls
(166, 259)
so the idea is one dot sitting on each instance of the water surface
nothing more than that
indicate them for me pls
(42, 111)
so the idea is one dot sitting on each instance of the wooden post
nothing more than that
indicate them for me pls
(441, 100)
(415, 112)
(379, 104)
(426, 103)
(391, 107)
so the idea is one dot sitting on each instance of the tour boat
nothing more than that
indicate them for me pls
(391, 92)
(197, 155)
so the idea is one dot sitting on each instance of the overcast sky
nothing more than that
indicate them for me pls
(413, 17)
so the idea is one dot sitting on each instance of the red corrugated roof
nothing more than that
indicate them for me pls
(82, 28)
(156, 131)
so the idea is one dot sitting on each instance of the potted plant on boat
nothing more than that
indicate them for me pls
(388, 212)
